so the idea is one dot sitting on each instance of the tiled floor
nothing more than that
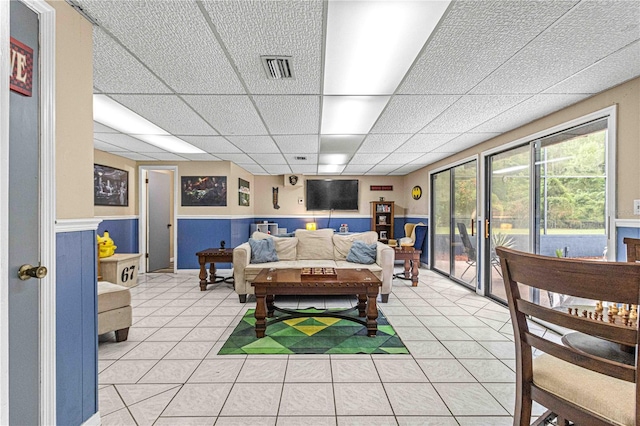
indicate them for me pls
(460, 371)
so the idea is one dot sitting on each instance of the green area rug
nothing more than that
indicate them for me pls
(313, 335)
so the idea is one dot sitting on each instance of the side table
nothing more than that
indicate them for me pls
(213, 256)
(411, 259)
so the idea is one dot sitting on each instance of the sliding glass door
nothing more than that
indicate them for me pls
(454, 240)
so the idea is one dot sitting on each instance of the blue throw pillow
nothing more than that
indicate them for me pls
(362, 252)
(263, 251)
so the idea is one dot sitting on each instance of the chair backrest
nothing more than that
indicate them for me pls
(420, 231)
(408, 229)
(594, 280)
(633, 249)
(466, 241)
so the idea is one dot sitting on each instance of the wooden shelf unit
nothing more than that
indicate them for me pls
(382, 218)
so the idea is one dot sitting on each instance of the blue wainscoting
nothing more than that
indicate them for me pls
(195, 235)
(76, 327)
(123, 232)
(622, 233)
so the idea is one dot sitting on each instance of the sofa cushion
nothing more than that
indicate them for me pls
(342, 243)
(112, 296)
(362, 252)
(285, 246)
(314, 244)
(263, 251)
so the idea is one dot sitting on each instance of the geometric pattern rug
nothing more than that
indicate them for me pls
(313, 335)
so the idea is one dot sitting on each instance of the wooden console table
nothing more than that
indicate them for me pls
(213, 256)
(411, 259)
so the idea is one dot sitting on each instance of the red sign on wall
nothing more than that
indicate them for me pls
(21, 79)
(381, 188)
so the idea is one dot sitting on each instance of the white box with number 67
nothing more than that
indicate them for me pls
(121, 269)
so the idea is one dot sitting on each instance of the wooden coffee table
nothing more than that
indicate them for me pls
(271, 282)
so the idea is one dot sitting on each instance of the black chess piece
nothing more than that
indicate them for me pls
(222, 243)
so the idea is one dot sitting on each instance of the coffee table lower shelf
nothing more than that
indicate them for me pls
(270, 283)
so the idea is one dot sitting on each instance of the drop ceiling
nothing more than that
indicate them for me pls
(194, 69)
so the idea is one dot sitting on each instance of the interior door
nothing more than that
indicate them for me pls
(24, 233)
(159, 229)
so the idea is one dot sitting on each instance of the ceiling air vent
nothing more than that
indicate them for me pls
(299, 158)
(277, 67)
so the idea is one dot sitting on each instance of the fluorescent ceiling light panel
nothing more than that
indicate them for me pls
(112, 114)
(334, 158)
(330, 169)
(371, 44)
(344, 115)
(340, 143)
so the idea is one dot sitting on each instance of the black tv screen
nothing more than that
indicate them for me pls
(329, 194)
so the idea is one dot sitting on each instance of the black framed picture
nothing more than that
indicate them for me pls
(110, 186)
(204, 191)
(244, 192)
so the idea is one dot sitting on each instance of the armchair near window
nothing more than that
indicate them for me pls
(415, 234)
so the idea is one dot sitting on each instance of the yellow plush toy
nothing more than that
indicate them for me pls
(105, 244)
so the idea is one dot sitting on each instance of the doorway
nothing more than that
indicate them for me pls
(158, 210)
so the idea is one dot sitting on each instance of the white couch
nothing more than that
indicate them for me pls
(321, 248)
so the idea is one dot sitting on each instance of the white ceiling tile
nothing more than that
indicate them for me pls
(404, 170)
(290, 114)
(200, 157)
(254, 168)
(229, 115)
(254, 144)
(464, 141)
(383, 142)
(173, 39)
(277, 169)
(212, 144)
(382, 169)
(268, 158)
(470, 111)
(107, 147)
(168, 112)
(310, 158)
(616, 68)
(474, 39)
(166, 156)
(367, 158)
(587, 33)
(135, 156)
(431, 157)
(101, 128)
(127, 142)
(409, 114)
(357, 168)
(527, 111)
(305, 169)
(116, 71)
(237, 158)
(397, 158)
(297, 143)
(425, 142)
(293, 28)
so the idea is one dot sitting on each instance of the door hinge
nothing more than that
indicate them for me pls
(146, 255)
(146, 180)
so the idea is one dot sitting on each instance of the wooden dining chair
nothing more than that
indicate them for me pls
(633, 249)
(573, 385)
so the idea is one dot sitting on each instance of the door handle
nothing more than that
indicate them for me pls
(27, 271)
(486, 228)
(168, 225)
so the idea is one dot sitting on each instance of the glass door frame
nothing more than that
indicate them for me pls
(609, 113)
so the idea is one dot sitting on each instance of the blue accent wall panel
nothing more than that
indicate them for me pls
(76, 327)
(621, 249)
(195, 235)
(123, 232)
(240, 230)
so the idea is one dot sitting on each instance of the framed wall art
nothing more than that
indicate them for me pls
(244, 193)
(204, 191)
(110, 186)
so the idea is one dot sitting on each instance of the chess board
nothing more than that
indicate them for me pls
(315, 272)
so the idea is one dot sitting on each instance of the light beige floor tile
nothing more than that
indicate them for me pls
(501, 350)
(305, 370)
(149, 350)
(445, 371)
(170, 371)
(484, 333)
(169, 334)
(395, 310)
(198, 400)
(189, 350)
(466, 321)
(485, 421)
(197, 311)
(147, 411)
(449, 333)
(491, 371)
(403, 321)
(218, 321)
(253, 399)
(229, 310)
(426, 421)
(125, 371)
(313, 399)
(181, 302)
(132, 394)
(167, 311)
(246, 421)
(306, 421)
(185, 321)
(109, 400)
(395, 369)
(159, 321)
(102, 365)
(371, 400)
(217, 371)
(138, 334)
(415, 399)
(414, 333)
(263, 370)
(427, 349)
(118, 418)
(424, 310)
(185, 421)
(366, 421)
(469, 399)
(145, 311)
(113, 350)
(467, 349)
(353, 370)
(204, 334)
(436, 321)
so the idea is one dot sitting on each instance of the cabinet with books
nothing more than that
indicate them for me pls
(382, 219)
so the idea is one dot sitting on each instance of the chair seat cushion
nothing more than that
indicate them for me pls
(112, 296)
(610, 398)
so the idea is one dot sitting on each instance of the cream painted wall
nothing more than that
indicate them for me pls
(106, 159)
(288, 197)
(74, 114)
(626, 96)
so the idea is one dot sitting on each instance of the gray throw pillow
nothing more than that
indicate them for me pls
(362, 252)
(263, 251)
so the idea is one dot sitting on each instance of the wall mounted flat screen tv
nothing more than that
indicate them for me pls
(332, 194)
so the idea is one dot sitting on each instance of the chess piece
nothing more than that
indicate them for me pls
(591, 315)
(613, 309)
(570, 310)
(222, 243)
(584, 313)
(599, 307)
(623, 311)
(633, 314)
